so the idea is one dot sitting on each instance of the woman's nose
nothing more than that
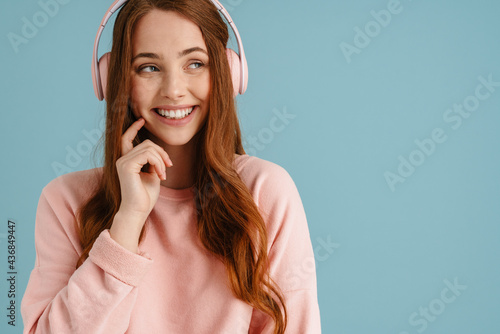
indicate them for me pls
(173, 85)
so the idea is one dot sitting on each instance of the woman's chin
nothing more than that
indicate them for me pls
(171, 142)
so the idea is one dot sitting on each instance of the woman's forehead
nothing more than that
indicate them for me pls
(166, 30)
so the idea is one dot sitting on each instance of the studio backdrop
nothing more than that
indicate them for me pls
(384, 112)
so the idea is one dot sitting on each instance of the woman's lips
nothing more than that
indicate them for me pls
(170, 107)
(176, 122)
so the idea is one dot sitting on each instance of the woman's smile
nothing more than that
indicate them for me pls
(177, 113)
(177, 117)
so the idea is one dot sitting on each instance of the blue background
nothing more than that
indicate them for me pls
(384, 255)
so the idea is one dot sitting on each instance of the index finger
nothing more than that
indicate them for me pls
(129, 135)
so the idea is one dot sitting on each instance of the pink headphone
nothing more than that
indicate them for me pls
(237, 63)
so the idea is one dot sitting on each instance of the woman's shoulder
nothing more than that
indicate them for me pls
(74, 186)
(262, 176)
(249, 165)
(274, 193)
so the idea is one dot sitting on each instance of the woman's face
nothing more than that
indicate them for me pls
(170, 76)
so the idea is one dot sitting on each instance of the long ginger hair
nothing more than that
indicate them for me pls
(229, 223)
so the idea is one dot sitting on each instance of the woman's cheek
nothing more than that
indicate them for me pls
(139, 93)
(133, 99)
(201, 87)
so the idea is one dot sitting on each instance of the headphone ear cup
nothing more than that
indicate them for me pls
(103, 71)
(234, 65)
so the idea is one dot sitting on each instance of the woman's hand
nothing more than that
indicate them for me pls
(139, 190)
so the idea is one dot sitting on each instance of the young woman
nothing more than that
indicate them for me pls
(180, 231)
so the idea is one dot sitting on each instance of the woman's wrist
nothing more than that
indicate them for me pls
(126, 230)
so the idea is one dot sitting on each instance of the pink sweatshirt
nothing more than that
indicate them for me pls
(174, 285)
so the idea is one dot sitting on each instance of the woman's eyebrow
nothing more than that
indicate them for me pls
(190, 50)
(146, 55)
(180, 54)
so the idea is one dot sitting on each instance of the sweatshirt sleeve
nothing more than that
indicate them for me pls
(99, 296)
(291, 256)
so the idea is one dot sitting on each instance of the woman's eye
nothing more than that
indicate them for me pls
(148, 69)
(196, 65)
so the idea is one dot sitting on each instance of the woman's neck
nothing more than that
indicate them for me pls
(181, 174)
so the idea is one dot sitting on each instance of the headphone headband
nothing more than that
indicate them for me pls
(117, 4)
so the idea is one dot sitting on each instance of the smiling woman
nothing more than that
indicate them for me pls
(180, 231)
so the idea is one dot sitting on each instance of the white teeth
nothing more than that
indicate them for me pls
(175, 114)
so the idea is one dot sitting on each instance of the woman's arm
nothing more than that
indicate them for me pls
(99, 296)
(291, 255)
